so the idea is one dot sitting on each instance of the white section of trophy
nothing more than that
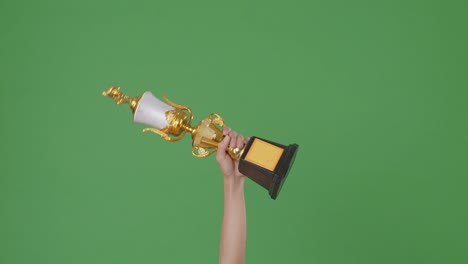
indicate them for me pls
(151, 111)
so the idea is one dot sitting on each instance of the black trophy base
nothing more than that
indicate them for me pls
(267, 163)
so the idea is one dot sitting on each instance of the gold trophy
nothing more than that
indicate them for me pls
(265, 162)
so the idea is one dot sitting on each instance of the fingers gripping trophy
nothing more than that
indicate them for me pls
(265, 162)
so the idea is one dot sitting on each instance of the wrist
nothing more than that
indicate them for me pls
(234, 184)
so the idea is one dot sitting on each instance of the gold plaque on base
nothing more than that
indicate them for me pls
(264, 154)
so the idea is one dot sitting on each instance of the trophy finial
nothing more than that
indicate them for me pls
(115, 93)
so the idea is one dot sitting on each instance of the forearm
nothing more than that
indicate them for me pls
(233, 234)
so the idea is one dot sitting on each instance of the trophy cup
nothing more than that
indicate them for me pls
(265, 162)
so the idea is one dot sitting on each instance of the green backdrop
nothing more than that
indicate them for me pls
(374, 92)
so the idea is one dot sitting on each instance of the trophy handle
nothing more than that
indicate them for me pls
(216, 119)
(200, 152)
(179, 106)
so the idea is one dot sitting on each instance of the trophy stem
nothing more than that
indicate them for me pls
(235, 153)
(188, 128)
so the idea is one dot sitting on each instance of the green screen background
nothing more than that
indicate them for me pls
(374, 92)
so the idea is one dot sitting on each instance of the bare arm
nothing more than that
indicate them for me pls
(233, 232)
